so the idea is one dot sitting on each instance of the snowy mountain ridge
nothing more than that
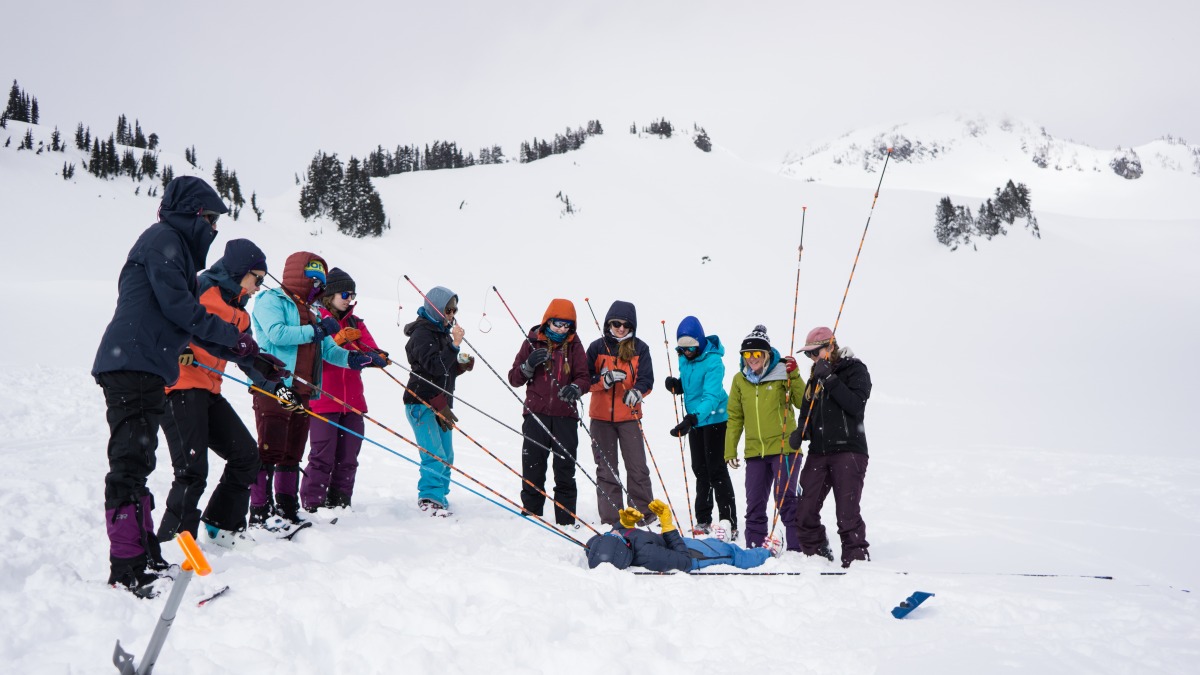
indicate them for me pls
(966, 154)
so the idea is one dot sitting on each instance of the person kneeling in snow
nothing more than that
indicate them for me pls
(625, 546)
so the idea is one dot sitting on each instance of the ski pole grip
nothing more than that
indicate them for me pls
(196, 561)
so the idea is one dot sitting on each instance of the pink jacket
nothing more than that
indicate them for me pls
(345, 383)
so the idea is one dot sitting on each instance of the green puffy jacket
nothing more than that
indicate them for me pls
(763, 410)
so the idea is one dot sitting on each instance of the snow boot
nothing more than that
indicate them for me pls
(433, 508)
(337, 499)
(825, 552)
(702, 529)
(130, 574)
(725, 531)
(229, 539)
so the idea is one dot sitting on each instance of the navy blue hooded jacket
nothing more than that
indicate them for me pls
(158, 311)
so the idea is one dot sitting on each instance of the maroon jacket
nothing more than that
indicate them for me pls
(567, 365)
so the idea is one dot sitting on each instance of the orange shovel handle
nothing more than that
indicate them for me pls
(195, 557)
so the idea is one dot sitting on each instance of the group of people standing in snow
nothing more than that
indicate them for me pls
(162, 359)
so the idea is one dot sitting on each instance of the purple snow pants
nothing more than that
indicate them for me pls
(843, 473)
(763, 473)
(332, 458)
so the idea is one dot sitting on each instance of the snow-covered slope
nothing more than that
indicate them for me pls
(1031, 414)
(972, 155)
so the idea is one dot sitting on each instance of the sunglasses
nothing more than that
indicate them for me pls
(561, 323)
(452, 310)
(210, 217)
(754, 354)
(620, 324)
(686, 351)
(259, 279)
(814, 352)
(348, 295)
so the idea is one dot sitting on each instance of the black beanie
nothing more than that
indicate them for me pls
(757, 339)
(338, 281)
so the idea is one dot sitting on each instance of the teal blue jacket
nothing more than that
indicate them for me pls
(276, 322)
(703, 381)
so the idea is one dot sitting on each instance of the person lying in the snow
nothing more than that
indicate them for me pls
(625, 546)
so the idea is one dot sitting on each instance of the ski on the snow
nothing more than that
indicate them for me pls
(212, 596)
(304, 524)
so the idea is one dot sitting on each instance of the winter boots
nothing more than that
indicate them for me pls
(433, 508)
(237, 541)
(702, 529)
(725, 531)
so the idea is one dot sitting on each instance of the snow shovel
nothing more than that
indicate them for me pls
(194, 564)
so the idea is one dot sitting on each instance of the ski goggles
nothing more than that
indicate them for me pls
(754, 354)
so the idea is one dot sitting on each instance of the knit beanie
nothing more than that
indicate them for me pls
(757, 339)
(338, 281)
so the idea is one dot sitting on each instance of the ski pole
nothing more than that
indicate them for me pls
(687, 492)
(796, 297)
(787, 396)
(816, 387)
(194, 563)
(406, 458)
(564, 452)
(637, 417)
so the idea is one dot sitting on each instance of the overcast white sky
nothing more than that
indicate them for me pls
(266, 83)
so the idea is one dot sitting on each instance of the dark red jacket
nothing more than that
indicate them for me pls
(567, 365)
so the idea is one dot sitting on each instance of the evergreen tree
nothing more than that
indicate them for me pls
(68, 171)
(139, 141)
(168, 174)
(34, 115)
(79, 144)
(943, 223)
(702, 141)
(27, 142)
(15, 110)
(152, 142)
(95, 161)
(56, 140)
(220, 180)
(150, 164)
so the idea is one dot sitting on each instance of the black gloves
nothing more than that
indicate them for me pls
(272, 369)
(570, 393)
(673, 385)
(289, 399)
(245, 347)
(689, 421)
(794, 440)
(822, 369)
(327, 326)
(536, 358)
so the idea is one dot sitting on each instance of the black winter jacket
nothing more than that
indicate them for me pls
(433, 359)
(158, 310)
(836, 423)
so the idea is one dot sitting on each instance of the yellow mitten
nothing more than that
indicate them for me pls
(630, 517)
(664, 515)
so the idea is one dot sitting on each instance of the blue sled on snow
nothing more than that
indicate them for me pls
(914, 601)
